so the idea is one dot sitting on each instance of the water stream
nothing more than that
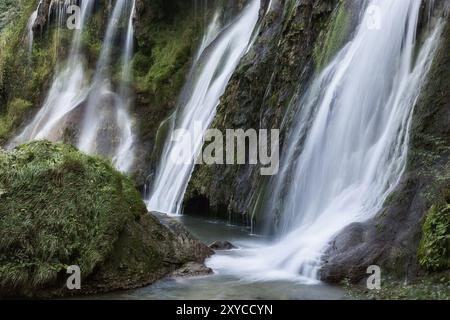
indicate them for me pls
(219, 54)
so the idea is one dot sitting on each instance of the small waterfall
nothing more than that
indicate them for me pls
(124, 154)
(68, 90)
(106, 108)
(71, 92)
(30, 26)
(216, 61)
(347, 148)
(58, 11)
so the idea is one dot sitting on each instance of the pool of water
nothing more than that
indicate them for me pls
(221, 285)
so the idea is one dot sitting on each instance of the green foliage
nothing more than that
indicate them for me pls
(15, 112)
(8, 10)
(10, 39)
(24, 77)
(434, 249)
(59, 207)
(163, 72)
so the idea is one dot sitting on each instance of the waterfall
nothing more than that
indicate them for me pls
(347, 147)
(105, 107)
(30, 26)
(216, 61)
(124, 155)
(71, 92)
(68, 90)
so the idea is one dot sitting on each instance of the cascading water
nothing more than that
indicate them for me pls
(347, 148)
(58, 10)
(105, 107)
(30, 26)
(71, 91)
(219, 55)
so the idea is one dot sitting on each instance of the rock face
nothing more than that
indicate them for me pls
(295, 40)
(60, 208)
(279, 64)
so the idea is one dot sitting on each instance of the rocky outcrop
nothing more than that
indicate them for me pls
(60, 208)
(391, 239)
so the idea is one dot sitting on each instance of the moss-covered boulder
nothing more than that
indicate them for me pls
(59, 208)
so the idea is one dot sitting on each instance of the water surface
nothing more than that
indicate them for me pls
(223, 286)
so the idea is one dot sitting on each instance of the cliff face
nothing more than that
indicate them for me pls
(279, 64)
(294, 42)
(166, 36)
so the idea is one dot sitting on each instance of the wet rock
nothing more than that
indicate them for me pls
(192, 269)
(222, 245)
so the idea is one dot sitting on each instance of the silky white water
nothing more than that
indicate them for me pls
(347, 148)
(104, 106)
(30, 26)
(219, 55)
(67, 92)
(71, 90)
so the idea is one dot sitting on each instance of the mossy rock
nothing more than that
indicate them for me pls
(434, 249)
(59, 207)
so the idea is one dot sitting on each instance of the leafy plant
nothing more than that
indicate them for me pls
(434, 249)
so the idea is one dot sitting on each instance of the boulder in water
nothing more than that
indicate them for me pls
(222, 245)
(192, 269)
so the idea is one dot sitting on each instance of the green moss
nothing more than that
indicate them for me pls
(162, 73)
(434, 249)
(58, 207)
(10, 42)
(334, 37)
(12, 117)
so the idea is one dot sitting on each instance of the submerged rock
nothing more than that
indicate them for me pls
(222, 245)
(61, 208)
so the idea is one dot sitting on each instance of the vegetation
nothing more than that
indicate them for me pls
(58, 207)
(335, 34)
(434, 249)
(24, 78)
(429, 287)
(7, 11)
(162, 73)
(12, 117)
